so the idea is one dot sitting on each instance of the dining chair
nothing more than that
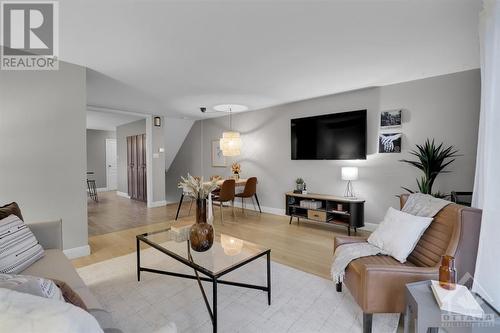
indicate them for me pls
(250, 191)
(92, 189)
(226, 194)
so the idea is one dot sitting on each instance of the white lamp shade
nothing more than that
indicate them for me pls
(230, 143)
(232, 246)
(349, 173)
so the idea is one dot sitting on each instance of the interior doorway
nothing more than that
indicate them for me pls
(111, 165)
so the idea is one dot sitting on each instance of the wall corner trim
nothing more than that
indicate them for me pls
(77, 252)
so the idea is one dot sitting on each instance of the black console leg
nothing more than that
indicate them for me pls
(339, 287)
(349, 231)
(367, 322)
(179, 207)
(291, 217)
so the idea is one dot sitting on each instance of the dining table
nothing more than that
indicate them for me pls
(240, 182)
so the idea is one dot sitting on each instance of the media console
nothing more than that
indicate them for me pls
(326, 209)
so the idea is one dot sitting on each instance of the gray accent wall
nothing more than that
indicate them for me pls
(42, 159)
(445, 108)
(133, 128)
(157, 182)
(96, 154)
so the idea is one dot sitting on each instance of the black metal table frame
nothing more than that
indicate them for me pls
(210, 277)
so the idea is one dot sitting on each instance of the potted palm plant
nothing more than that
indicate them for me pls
(432, 160)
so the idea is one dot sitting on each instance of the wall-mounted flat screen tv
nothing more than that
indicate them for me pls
(336, 136)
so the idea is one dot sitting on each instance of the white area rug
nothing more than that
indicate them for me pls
(301, 302)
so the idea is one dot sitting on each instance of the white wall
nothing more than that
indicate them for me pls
(42, 158)
(444, 107)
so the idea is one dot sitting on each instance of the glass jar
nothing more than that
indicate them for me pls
(447, 273)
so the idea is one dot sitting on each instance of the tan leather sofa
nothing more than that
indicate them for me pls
(377, 283)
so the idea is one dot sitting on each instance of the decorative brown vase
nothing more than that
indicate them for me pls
(447, 273)
(201, 234)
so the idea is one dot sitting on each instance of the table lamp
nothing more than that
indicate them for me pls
(349, 174)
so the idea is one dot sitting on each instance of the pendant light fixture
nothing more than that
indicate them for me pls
(230, 143)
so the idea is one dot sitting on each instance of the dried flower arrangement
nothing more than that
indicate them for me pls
(235, 168)
(196, 187)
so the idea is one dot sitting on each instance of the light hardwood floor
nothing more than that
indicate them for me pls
(307, 247)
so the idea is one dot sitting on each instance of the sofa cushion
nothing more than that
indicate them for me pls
(18, 246)
(10, 209)
(55, 265)
(359, 264)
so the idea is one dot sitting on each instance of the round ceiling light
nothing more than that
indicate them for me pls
(232, 107)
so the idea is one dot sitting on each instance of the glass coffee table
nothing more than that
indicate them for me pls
(225, 255)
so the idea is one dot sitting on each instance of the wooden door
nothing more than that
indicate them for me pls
(130, 166)
(141, 168)
(136, 159)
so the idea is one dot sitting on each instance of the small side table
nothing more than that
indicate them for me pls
(423, 314)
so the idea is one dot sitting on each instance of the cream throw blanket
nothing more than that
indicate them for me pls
(424, 205)
(417, 204)
(346, 253)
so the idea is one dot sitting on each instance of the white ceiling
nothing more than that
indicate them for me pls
(170, 57)
(107, 121)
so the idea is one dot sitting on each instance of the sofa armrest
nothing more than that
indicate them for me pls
(48, 234)
(340, 240)
(384, 286)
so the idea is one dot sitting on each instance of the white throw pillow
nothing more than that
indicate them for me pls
(31, 285)
(399, 232)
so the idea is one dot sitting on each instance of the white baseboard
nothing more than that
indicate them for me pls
(269, 210)
(272, 210)
(157, 203)
(77, 252)
(122, 194)
(102, 189)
